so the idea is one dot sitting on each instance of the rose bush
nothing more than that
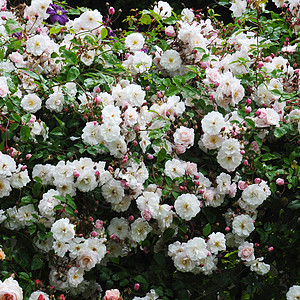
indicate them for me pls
(157, 162)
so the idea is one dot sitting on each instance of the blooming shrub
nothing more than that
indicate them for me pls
(159, 162)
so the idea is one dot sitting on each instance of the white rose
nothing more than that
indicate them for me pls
(187, 206)
(184, 136)
(31, 103)
(10, 289)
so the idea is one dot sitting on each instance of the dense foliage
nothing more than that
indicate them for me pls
(159, 161)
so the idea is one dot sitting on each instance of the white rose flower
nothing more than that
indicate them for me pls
(174, 168)
(254, 195)
(139, 230)
(170, 60)
(55, 102)
(258, 266)
(184, 136)
(4, 90)
(75, 276)
(187, 206)
(36, 296)
(10, 289)
(87, 259)
(5, 187)
(242, 225)
(118, 227)
(183, 262)
(7, 165)
(163, 9)
(216, 242)
(134, 41)
(212, 123)
(62, 230)
(60, 248)
(113, 191)
(246, 251)
(31, 103)
(196, 249)
(293, 293)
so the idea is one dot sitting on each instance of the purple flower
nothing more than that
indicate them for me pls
(57, 14)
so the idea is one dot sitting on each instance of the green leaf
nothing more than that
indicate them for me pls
(120, 275)
(36, 263)
(56, 131)
(160, 259)
(36, 189)
(124, 282)
(73, 73)
(70, 56)
(250, 123)
(156, 133)
(161, 155)
(294, 204)
(263, 235)
(103, 33)
(207, 229)
(140, 279)
(270, 156)
(279, 132)
(16, 117)
(25, 133)
(55, 29)
(168, 234)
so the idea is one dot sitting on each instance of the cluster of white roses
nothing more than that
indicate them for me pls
(11, 176)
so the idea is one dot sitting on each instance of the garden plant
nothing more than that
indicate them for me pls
(155, 161)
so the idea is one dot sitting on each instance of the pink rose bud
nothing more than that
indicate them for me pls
(131, 218)
(98, 90)
(136, 287)
(146, 214)
(169, 31)
(23, 168)
(268, 59)
(127, 55)
(258, 112)
(136, 128)
(112, 236)
(248, 109)
(257, 180)
(201, 191)
(256, 244)
(91, 219)
(97, 173)
(246, 163)
(280, 181)
(159, 95)
(150, 156)
(28, 156)
(111, 11)
(260, 65)
(271, 249)
(181, 188)
(76, 174)
(135, 143)
(211, 97)
(227, 229)
(99, 224)
(125, 158)
(94, 233)
(242, 185)
(147, 88)
(243, 152)
(38, 29)
(248, 101)
(97, 100)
